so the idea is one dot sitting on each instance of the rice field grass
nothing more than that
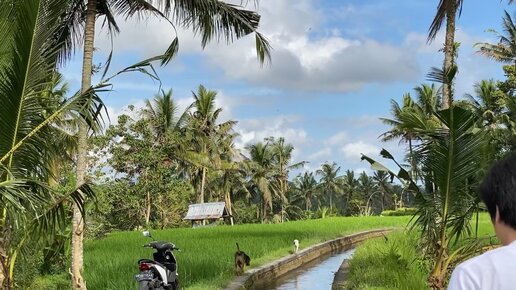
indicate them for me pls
(396, 263)
(206, 258)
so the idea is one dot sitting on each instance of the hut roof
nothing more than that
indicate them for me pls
(205, 211)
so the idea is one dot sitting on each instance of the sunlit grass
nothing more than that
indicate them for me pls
(206, 257)
(396, 264)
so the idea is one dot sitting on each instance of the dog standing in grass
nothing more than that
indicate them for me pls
(241, 260)
(296, 246)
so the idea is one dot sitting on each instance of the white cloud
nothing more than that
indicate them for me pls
(337, 139)
(256, 129)
(321, 154)
(352, 151)
(328, 62)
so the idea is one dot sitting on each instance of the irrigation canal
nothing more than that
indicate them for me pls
(317, 274)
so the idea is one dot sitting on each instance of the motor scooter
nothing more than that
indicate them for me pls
(160, 273)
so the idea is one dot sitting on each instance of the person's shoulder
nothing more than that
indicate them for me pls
(482, 261)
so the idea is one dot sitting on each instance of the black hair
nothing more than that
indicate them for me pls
(499, 190)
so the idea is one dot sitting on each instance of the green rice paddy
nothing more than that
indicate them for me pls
(206, 257)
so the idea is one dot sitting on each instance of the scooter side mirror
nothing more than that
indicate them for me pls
(147, 234)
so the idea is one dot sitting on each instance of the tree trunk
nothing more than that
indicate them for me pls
(148, 200)
(201, 197)
(264, 210)
(449, 51)
(331, 204)
(148, 211)
(203, 180)
(412, 161)
(229, 207)
(383, 198)
(82, 149)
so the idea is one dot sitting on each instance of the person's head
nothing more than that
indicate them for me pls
(498, 192)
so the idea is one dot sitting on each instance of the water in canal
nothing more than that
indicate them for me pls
(318, 274)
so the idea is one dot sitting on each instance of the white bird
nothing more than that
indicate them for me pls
(296, 246)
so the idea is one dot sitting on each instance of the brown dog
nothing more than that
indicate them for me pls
(241, 260)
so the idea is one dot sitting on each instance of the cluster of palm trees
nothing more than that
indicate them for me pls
(448, 152)
(195, 146)
(451, 142)
(37, 36)
(346, 194)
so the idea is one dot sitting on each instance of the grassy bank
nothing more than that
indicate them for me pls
(396, 263)
(206, 257)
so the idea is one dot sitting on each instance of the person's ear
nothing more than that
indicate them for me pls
(497, 215)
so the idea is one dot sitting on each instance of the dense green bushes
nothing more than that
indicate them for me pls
(390, 263)
(397, 261)
(400, 211)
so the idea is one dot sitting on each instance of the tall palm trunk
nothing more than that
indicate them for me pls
(449, 51)
(264, 210)
(148, 210)
(203, 181)
(82, 148)
(331, 203)
(229, 206)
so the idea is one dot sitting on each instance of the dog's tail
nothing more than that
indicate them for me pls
(238, 247)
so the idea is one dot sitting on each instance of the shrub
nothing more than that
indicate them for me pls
(52, 282)
(388, 264)
(400, 211)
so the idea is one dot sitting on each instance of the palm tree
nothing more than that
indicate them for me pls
(28, 58)
(350, 186)
(282, 154)
(488, 106)
(163, 115)
(505, 50)
(446, 11)
(261, 166)
(166, 126)
(428, 99)
(210, 18)
(401, 128)
(306, 186)
(367, 191)
(381, 178)
(413, 118)
(203, 123)
(450, 154)
(329, 182)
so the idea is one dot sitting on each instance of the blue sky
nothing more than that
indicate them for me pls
(335, 67)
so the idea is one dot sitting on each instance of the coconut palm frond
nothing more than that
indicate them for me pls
(443, 8)
(220, 20)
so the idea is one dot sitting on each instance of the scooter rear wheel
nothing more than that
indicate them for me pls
(174, 285)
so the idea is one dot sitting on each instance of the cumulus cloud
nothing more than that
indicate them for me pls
(321, 154)
(337, 139)
(256, 129)
(306, 55)
(331, 64)
(353, 151)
